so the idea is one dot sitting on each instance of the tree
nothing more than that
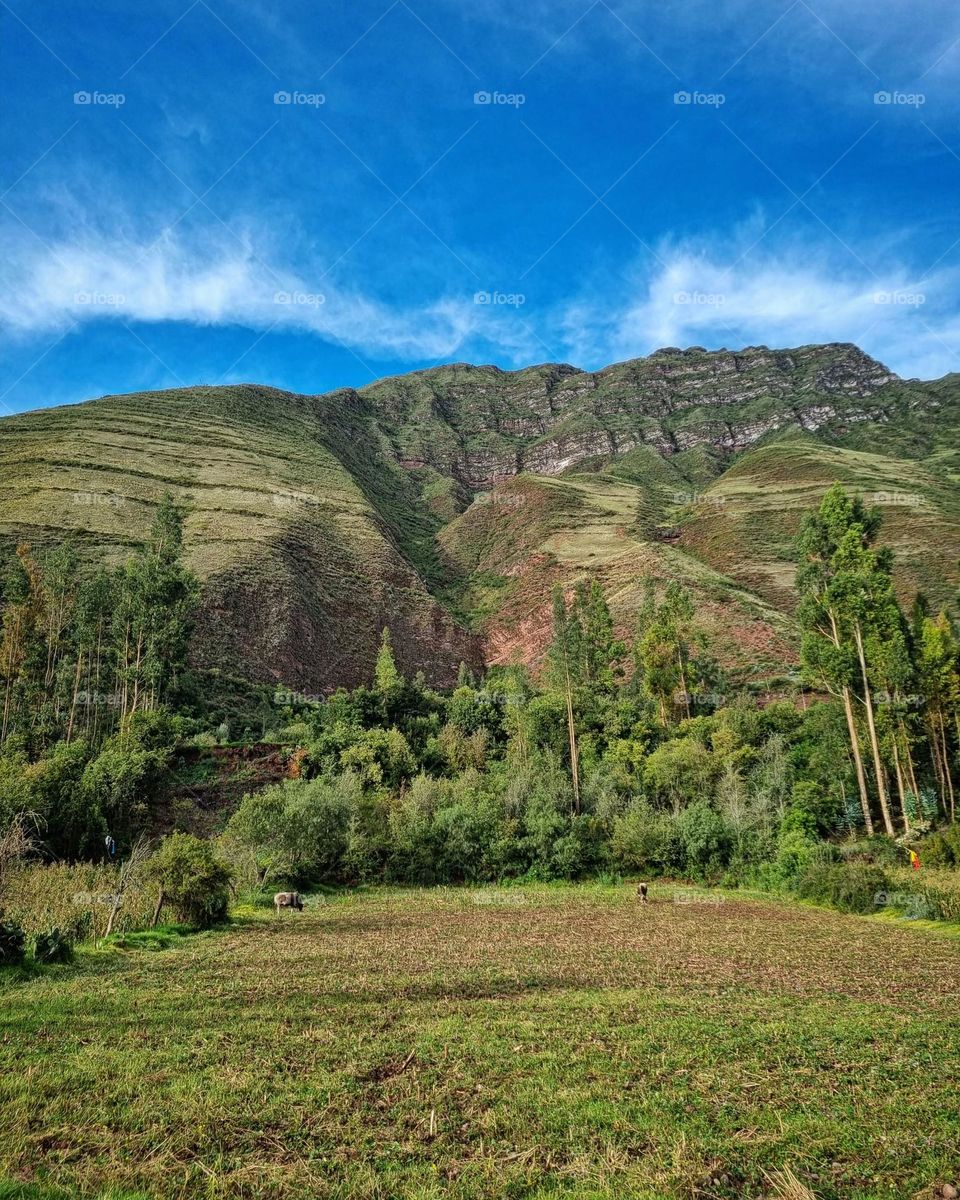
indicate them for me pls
(192, 880)
(153, 619)
(387, 679)
(939, 680)
(663, 650)
(565, 661)
(826, 651)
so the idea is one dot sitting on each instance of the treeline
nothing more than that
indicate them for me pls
(634, 755)
(639, 756)
(87, 666)
(897, 678)
(79, 656)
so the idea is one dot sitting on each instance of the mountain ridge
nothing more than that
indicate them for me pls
(314, 520)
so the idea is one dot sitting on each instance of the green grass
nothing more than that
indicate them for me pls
(498, 1043)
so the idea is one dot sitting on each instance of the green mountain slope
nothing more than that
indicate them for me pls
(446, 503)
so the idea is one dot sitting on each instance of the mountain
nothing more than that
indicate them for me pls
(445, 503)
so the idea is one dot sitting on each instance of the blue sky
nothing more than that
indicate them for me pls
(315, 194)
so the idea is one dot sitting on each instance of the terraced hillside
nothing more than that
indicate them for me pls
(307, 535)
(745, 522)
(445, 503)
(534, 532)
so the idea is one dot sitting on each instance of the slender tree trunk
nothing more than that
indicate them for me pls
(683, 681)
(6, 709)
(161, 901)
(114, 909)
(872, 728)
(136, 677)
(854, 741)
(572, 734)
(944, 750)
(858, 761)
(908, 755)
(933, 741)
(73, 698)
(901, 791)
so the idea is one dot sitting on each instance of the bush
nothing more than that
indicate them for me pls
(192, 880)
(54, 946)
(704, 837)
(645, 839)
(878, 850)
(12, 943)
(845, 886)
(927, 893)
(795, 851)
(941, 849)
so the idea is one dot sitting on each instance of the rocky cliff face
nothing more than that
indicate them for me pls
(480, 424)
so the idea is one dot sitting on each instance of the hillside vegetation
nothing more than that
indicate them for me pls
(445, 503)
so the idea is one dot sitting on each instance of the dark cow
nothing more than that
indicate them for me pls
(288, 900)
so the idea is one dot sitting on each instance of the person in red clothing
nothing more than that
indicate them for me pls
(915, 860)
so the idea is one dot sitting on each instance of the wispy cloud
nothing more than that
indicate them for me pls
(226, 281)
(708, 295)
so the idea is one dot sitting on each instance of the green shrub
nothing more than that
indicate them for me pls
(941, 849)
(930, 893)
(936, 851)
(704, 837)
(54, 946)
(645, 839)
(795, 851)
(849, 887)
(12, 943)
(878, 850)
(192, 879)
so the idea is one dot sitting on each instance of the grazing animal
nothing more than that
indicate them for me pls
(642, 892)
(288, 900)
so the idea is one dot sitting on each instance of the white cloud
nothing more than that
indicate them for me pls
(698, 296)
(694, 294)
(46, 288)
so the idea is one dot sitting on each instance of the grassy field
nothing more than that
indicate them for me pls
(536, 1042)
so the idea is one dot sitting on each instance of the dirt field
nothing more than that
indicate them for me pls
(494, 1044)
